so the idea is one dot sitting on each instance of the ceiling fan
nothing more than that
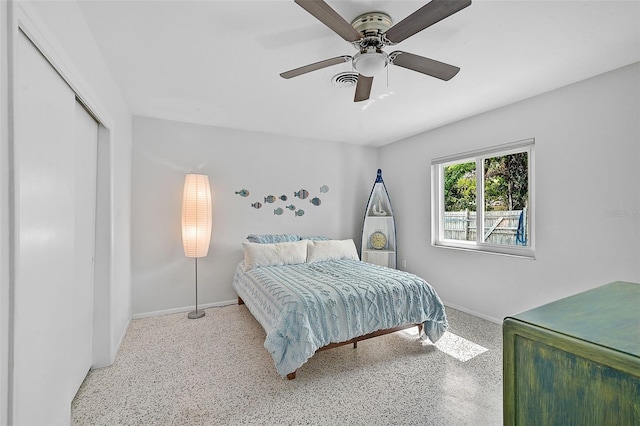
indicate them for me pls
(370, 32)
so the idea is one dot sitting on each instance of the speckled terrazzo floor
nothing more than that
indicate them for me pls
(215, 371)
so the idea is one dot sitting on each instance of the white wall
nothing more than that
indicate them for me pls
(164, 151)
(587, 165)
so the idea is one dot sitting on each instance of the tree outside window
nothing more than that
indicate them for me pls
(502, 190)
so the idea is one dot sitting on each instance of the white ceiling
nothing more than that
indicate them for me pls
(218, 62)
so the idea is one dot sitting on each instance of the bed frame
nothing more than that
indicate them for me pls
(355, 340)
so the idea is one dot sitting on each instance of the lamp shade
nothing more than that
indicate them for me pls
(196, 215)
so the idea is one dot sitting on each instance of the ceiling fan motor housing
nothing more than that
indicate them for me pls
(372, 23)
(372, 26)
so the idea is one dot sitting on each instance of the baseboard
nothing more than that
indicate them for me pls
(474, 313)
(234, 302)
(115, 351)
(184, 309)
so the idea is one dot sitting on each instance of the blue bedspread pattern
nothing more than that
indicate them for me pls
(306, 306)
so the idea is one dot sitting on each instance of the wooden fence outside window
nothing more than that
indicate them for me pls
(500, 227)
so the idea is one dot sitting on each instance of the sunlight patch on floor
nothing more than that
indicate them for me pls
(458, 347)
(453, 345)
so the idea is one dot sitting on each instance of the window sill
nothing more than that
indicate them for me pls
(518, 253)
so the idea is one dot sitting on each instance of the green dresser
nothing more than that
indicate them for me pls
(575, 361)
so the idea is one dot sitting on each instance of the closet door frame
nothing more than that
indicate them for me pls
(20, 16)
(6, 220)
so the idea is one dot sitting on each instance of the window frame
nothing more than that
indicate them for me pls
(479, 156)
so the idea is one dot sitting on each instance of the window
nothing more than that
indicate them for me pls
(483, 200)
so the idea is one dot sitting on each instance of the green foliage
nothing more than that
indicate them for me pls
(460, 187)
(506, 184)
(506, 181)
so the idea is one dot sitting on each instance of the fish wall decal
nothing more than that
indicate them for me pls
(302, 194)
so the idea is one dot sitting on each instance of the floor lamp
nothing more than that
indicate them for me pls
(196, 223)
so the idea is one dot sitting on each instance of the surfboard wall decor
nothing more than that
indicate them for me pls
(379, 228)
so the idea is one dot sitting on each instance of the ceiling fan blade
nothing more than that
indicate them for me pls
(315, 66)
(325, 14)
(363, 88)
(424, 65)
(427, 15)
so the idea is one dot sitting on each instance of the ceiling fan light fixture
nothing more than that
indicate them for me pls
(370, 63)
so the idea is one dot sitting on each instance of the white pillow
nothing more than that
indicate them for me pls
(321, 251)
(257, 254)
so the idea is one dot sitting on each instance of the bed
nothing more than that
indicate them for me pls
(311, 295)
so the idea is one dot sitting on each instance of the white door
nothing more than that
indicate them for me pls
(86, 159)
(55, 202)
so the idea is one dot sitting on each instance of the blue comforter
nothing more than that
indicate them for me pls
(306, 306)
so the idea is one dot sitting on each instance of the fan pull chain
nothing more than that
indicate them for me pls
(387, 67)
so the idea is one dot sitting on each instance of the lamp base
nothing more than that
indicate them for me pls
(196, 314)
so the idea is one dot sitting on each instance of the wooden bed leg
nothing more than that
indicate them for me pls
(355, 345)
(291, 376)
(419, 329)
(240, 301)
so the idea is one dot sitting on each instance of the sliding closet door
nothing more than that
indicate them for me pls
(54, 215)
(86, 160)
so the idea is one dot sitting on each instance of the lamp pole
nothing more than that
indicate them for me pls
(197, 313)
